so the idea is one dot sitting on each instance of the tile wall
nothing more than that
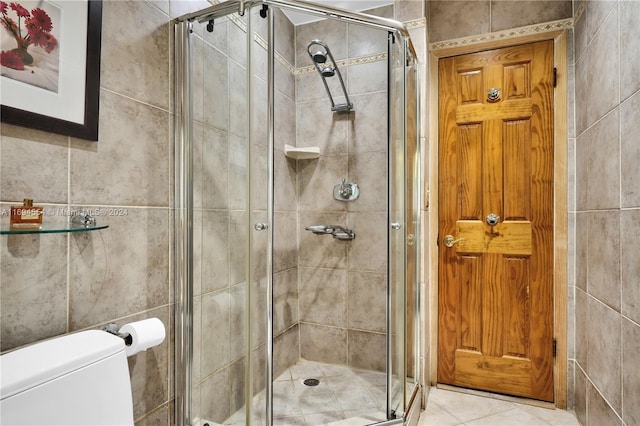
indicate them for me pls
(607, 212)
(342, 285)
(55, 284)
(455, 19)
(59, 283)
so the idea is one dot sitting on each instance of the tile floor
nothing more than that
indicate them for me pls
(351, 397)
(344, 396)
(449, 408)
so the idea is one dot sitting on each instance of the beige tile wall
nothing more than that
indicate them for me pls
(342, 284)
(607, 209)
(55, 284)
(455, 19)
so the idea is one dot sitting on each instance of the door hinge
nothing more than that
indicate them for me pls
(555, 347)
(555, 77)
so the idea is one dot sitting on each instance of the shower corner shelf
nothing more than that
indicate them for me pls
(296, 153)
(52, 228)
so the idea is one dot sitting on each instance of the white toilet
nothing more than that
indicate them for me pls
(76, 379)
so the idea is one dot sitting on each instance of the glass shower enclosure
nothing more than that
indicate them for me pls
(296, 216)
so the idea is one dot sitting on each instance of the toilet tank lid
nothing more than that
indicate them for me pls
(38, 363)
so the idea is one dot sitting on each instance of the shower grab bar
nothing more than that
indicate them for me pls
(319, 59)
(338, 232)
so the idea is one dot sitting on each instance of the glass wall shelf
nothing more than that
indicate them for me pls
(51, 228)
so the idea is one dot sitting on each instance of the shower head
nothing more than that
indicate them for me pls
(318, 51)
(328, 71)
(319, 57)
(327, 66)
(322, 58)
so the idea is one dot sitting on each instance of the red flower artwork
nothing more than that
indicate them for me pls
(41, 20)
(38, 26)
(11, 60)
(20, 10)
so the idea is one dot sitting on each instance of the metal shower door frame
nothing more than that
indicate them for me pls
(183, 223)
(183, 212)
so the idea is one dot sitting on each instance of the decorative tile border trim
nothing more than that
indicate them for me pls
(260, 41)
(311, 68)
(345, 63)
(416, 23)
(504, 35)
(283, 61)
(580, 11)
(238, 21)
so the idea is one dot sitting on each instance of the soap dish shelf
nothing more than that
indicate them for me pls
(296, 153)
(52, 228)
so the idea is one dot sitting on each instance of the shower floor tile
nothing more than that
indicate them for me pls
(344, 396)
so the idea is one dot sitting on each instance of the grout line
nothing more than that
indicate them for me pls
(588, 128)
(632, 321)
(490, 13)
(138, 101)
(588, 378)
(616, 8)
(515, 405)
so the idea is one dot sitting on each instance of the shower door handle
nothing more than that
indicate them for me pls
(259, 226)
(395, 226)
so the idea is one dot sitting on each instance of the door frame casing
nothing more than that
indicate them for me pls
(560, 206)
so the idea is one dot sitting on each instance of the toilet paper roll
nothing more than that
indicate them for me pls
(144, 334)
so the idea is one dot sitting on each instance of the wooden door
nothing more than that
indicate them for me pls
(495, 327)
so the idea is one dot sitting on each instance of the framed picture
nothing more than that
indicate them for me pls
(50, 65)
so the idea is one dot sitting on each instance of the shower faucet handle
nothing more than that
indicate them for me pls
(346, 191)
(319, 229)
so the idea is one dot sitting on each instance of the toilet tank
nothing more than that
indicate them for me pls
(76, 379)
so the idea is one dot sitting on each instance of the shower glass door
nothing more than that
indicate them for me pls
(397, 302)
(250, 301)
(413, 196)
(261, 223)
(220, 297)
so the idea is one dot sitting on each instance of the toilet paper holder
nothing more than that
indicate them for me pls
(139, 336)
(112, 328)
